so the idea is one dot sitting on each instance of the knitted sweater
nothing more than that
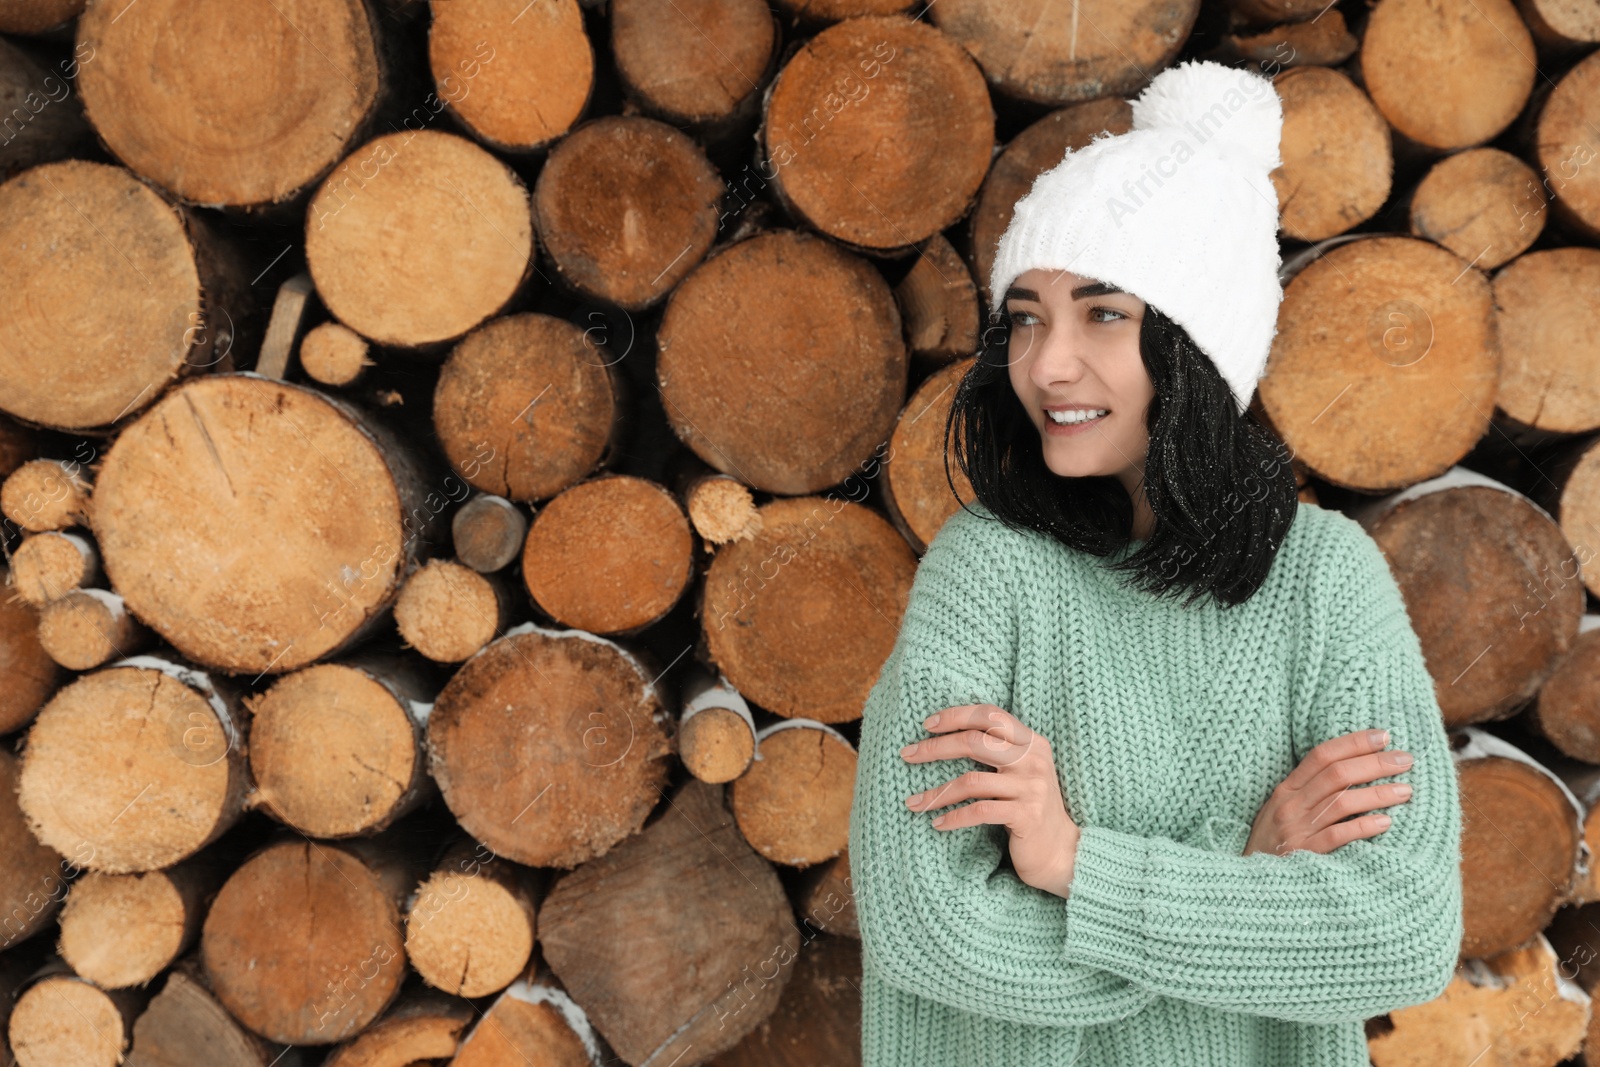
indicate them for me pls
(1170, 727)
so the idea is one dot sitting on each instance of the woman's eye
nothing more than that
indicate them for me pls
(1113, 311)
(1021, 318)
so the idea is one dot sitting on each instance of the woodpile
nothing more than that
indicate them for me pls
(463, 466)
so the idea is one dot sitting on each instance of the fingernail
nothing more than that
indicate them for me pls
(914, 799)
(1384, 821)
(1397, 759)
(1403, 790)
(909, 749)
(1378, 737)
(938, 820)
(932, 721)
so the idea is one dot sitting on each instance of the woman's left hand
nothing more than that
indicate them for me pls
(1022, 793)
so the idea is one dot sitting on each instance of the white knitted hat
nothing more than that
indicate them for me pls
(1179, 211)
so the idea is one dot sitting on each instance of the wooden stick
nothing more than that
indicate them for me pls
(283, 329)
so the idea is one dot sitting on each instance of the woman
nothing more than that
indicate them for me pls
(1135, 783)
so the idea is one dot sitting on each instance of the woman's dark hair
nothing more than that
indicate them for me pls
(1219, 483)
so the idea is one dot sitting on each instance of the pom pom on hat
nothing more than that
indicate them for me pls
(1188, 97)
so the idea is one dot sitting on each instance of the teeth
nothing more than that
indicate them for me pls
(1070, 417)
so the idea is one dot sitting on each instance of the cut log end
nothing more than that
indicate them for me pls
(716, 745)
(89, 627)
(487, 532)
(793, 805)
(62, 1019)
(447, 611)
(334, 354)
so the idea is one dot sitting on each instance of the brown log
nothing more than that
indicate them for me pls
(517, 77)
(62, 1020)
(33, 876)
(152, 292)
(49, 565)
(938, 302)
(46, 494)
(88, 628)
(1512, 883)
(693, 63)
(1029, 154)
(772, 607)
(1268, 11)
(16, 967)
(1571, 489)
(724, 951)
(610, 555)
(526, 406)
(422, 1025)
(241, 561)
(1566, 711)
(716, 732)
(1582, 779)
(1484, 204)
(471, 929)
(487, 532)
(341, 968)
(721, 508)
(793, 804)
(120, 930)
(1519, 1003)
(336, 749)
(38, 16)
(543, 711)
(1324, 42)
(819, 1018)
(824, 898)
(916, 485)
(1548, 315)
(373, 233)
(448, 612)
(812, 12)
(283, 327)
(1411, 67)
(1490, 585)
(626, 206)
(532, 1022)
(1559, 26)
(734, 394)
(185, 1025)
(1337, 163)
(1065, 53)
(1384, 367)
(334, 354)
(878, 132)
(27, 673)
(40, 116)
(202, 129)
(136, 766)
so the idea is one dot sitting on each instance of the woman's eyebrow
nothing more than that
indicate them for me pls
(1091, 289)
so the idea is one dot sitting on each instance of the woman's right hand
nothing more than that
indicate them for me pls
(1311, 808)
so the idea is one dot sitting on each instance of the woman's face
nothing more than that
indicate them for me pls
(1075, 353)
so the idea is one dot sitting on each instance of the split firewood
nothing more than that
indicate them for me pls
(136, 766)
(121, 930)
(46, 494)
(1564, 143)
(772, 605)
(200, 129)
(383, 265)
(487, 532)
(1513, 886)
(334, 354)
(693, 71)
(44, 117)
(62, 1020)
(793, 804)
(422, 1025)
(185, 1025)
(824, 899)
(241, 559)
(533, 1021)
(38, 16)
(1548, 315)
(819, 1018)
(1337, 163)
(153, 292)
(33, 876)
(938, 302)
(527, 405)
(1384, 368)
(27, 673)
(626, 206)
(1490, 585)
(49, 565)
(336, 749)
(725, 954)
(733, 394)
(610, 555)
(283, 327)
(448, 611)
(716, 731)
(470, 931)
(1484, 204)
(910, 120)
(540, 712)
(88, 628)
(916, 484)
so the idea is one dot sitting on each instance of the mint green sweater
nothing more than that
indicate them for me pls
(1170, 727)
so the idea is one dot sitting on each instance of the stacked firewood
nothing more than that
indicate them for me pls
(464, 466)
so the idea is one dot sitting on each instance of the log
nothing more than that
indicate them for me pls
(448, 612)
(772, 607)
(916, 484)
(1061, 54)
(1411, 67)
(422, 1025)
(1484, 204)
(75, 229)
(824, 899)
(283, 328)
(1268, 11)
(185, 1025)
(543, 711)
(1564, 147)
(693, 63)
(1560, 27)
(27, 673)
(1582, 779)
(382, 263)
(610, 555)
(49, 565)
(724, 951)
(1512, 885)
(626, 206)
(33, 876)
(1490, 585)
(42, 118)
(1036, 149)
(526, 406)
(203, 129)
(531, 1022)
(721, 508)
(1324, 42)
(878, 132)
(341, 968)
(38, 16)
(336, 749)
(1384, 368)
(471, 929)
(46, 494)
(1548, 316)
(515, 77)
(733, 394)
(136, 766)
(88, 628)
(793, 804)
(819, 1018)
(1337, 164)
(938, 303)
(121, 930)
(487, 532)
(1573, 491)
(810, 13)
(716, 732)
(334, 354)
(18, 444)
(241, 560)
(62, 1020)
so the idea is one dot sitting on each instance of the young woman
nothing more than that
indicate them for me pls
(1136, 782)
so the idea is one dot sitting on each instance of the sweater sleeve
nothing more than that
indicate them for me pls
(940, 918)
(1373, 926)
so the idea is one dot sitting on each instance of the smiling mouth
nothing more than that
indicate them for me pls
(1076, 418)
